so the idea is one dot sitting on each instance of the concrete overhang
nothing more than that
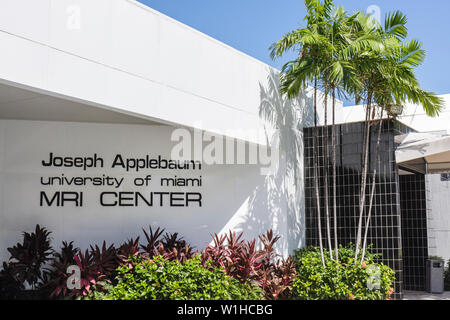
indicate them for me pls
(21, 103)
(427, 153)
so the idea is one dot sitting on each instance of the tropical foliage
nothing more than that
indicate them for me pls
(343, 280)
(447, 277)
(161, 279)
(27, 264)
(228, 268)
(351, 55)
(251, 264)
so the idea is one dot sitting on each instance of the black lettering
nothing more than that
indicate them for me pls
(75, 197)
(139, 195)
(194, 197)
(123, 198)
(77, 162)
(161, 197)
(97, 159)
(58, 161)
(118, 161)
(50, 161)
(56, 197)
(103, 203)
(173, 199)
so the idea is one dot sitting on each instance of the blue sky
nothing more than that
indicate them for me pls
(252, 25)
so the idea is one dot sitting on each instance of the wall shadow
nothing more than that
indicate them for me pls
(281, 194)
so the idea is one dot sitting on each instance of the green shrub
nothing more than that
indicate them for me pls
(160, 279)
(447, 277)
(343, 280)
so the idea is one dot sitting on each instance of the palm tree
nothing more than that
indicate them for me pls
(388, 79)
(367, 63)
(298, 74)
(340, 43)
(337, 75)
(352, 55)
(372, 192)
(326, 47)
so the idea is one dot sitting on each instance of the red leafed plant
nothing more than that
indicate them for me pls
(216, 252)
(10, 286)
(268, 241)
(89, 276)
(244, 262)
(277, 278)
(170, 246)
(153, 240)
(176, 248)
(105, 260)
(247, 261)
(252, 261)
(128, 250)
(240, 259)
(181, 254)
(29, 258)
(96, 265)
(56, 283)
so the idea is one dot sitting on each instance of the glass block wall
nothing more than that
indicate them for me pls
(414, 230)
(385, 226)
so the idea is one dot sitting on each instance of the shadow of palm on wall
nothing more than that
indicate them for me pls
(281, 194)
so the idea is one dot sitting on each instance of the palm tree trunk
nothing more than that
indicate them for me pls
(325, 174)
(316, 178)
(336, 249)
(372, 192)
(362, 195)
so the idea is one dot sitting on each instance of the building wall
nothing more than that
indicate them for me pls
(413, 116)
(234, 197)
(124, 56)
(438, 204)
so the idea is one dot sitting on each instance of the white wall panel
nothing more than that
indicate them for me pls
(235, 197)
(81, 27)
(438, 206)
(122, 55)
(76, 77)
(131, 93)
(24, 62)
(135, 40)
(26, 18)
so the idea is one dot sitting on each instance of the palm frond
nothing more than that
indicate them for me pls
(395, 24)
(412, 54)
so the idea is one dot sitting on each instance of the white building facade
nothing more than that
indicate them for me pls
(95, 96)
(91, 80)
